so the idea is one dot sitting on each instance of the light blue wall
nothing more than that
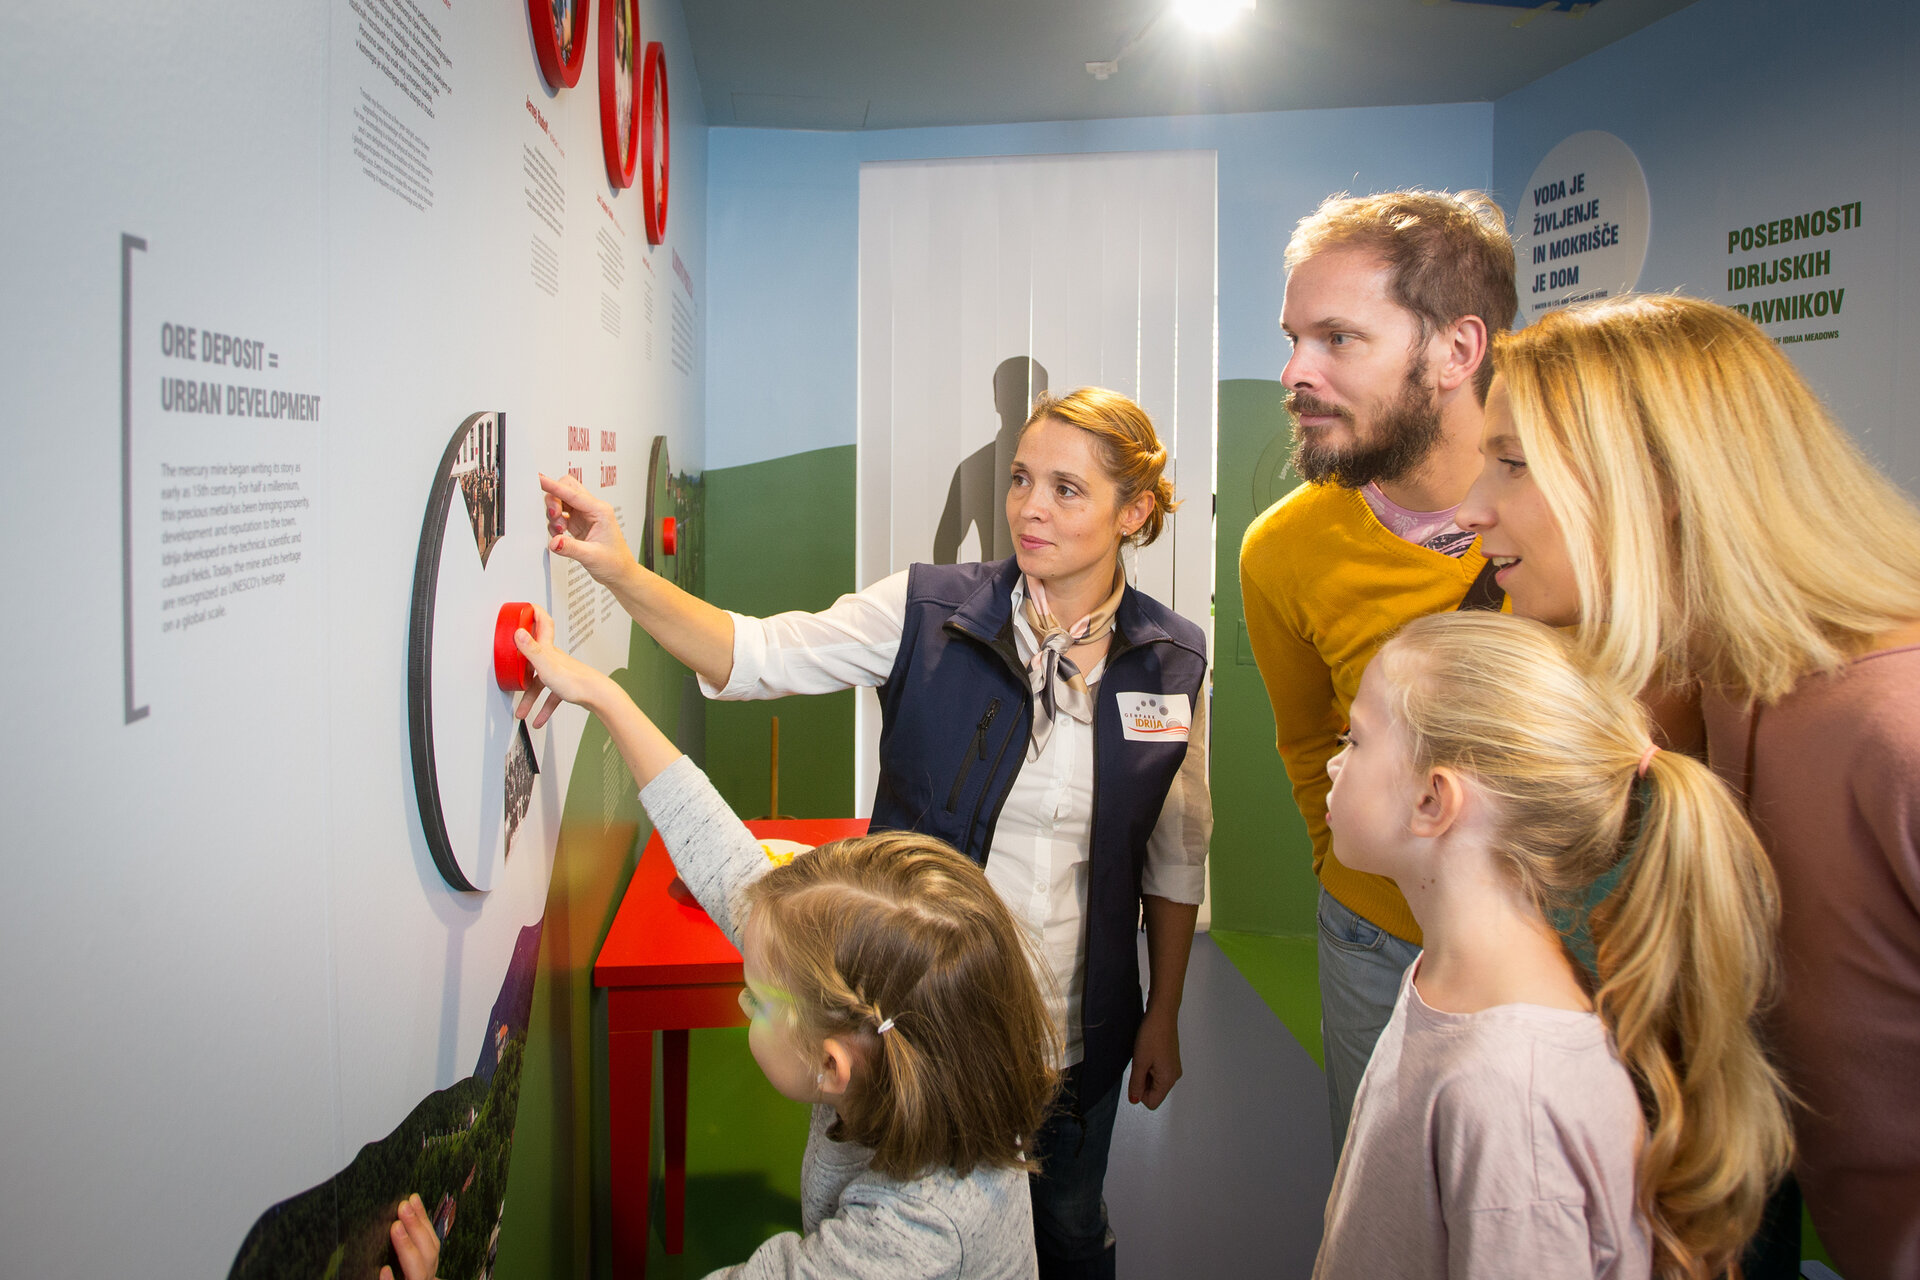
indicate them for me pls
(783, 242)
(1746, 110)
(783, 262)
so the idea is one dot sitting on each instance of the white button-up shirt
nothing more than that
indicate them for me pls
(1038, 861)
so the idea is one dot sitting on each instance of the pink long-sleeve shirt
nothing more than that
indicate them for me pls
(1836, 800)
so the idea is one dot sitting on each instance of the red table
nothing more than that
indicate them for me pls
(667, 968)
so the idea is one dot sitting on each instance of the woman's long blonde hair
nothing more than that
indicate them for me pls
(899, 930)
(1685, 942)
(1723, 529)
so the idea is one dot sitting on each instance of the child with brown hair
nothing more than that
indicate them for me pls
(889, 987)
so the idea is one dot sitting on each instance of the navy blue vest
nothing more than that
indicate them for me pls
(956, 715)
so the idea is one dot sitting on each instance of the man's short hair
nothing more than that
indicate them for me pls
(1448, 254)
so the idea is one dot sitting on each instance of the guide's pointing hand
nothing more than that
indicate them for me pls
(583, 528)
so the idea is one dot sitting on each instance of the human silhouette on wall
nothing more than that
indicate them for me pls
(977, 496)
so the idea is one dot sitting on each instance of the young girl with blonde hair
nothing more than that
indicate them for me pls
(890, 987)
(1660, 476)
(1593, 1107)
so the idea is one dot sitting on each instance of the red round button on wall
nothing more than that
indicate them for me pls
(669, 536)
(511, 670)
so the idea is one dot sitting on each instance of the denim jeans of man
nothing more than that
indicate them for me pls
(1070, 1230)
(1361, 966)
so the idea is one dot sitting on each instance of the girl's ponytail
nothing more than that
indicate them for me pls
(1685, 923)
(1686, 956)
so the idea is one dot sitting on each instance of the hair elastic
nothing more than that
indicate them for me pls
(1646, 758)
(884, 1027)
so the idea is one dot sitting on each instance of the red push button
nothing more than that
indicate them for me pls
(510, 670)
(669, 535)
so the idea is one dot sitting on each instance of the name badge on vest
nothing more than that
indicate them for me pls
(1155, 717)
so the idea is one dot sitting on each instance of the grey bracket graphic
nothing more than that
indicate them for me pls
(127, 246)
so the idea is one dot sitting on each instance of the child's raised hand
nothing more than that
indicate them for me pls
(415, 1240)
(563, 677)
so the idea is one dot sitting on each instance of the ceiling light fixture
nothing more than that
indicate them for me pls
(1211, 16)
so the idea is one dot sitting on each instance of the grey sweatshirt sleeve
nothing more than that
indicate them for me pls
(882, 1237)
(712, 849)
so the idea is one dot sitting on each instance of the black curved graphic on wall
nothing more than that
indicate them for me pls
(475, 463)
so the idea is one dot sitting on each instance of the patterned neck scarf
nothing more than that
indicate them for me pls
(1054, 677)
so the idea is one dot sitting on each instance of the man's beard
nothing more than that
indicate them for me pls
(1406, 432)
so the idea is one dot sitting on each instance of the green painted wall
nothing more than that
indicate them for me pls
(1285, 971)
(1262, 860)
(779, 536)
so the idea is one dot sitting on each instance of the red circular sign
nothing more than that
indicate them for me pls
(619, 103)
(656, 142)
(560, 38)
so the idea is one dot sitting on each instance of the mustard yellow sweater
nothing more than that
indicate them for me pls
(1325, 583)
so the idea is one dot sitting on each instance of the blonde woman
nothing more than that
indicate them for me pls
(1018, 699)
(1658, 476)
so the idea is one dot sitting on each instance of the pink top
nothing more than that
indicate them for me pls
(1836, 800)
(1497, 1145)
(1434, 530)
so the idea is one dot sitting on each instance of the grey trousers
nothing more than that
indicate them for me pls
(1361, 966)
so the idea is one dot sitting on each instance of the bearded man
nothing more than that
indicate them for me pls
(1391, 305)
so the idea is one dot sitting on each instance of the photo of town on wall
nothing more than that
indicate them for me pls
(559, 31)
(522, 768)
(625, 17)
(480, 469)
(453, 1148)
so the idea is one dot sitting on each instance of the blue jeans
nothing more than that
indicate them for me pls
(1070, 1231)
(1361, 966)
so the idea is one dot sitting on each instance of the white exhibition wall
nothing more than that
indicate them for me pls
(277, 254)
(1747, 114)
